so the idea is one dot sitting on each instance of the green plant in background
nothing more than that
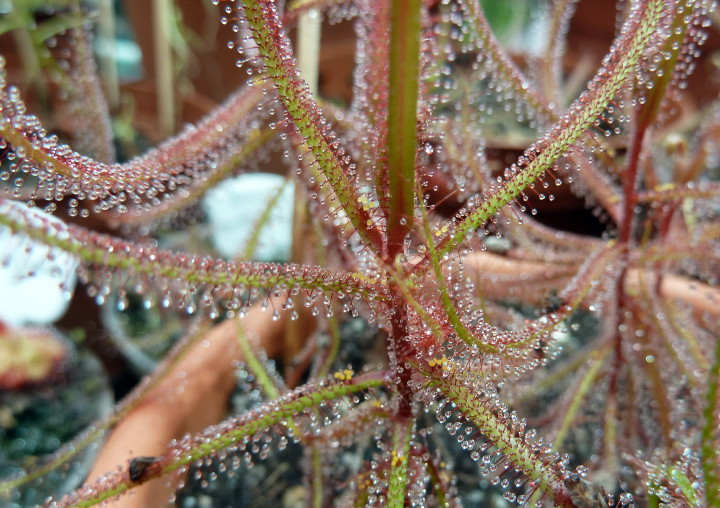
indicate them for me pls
(635, 400)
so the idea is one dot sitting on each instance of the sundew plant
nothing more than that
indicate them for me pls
(479, 308)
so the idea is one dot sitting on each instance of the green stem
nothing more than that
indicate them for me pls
(264, 379)
(402, 118)
(309, 30)
(317, 477)
(708, 449)
(399, 457)
(164, 86)
(586, 383)
(259, 226)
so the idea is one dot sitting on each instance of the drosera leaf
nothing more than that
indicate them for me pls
(573, 295)
(279, 66)
(452, 314)
(545, 471)
(672, 192)
(688, 489)
(187, 450)
(404, 288)
(503, 66)
(620, 64)
(369, 106)
(254, 139)
(259, 227)
(248, 217)
(270, 385)
(551, 65)
(105, 252)
(37, 285)
(191, 156)
(93, 433)
(673, 62)
(398, 478)
(87, 112)
(442, 485)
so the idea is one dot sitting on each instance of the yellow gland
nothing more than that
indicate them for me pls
(345, 375)
(365, 483)
(437, 362)
(395, 459)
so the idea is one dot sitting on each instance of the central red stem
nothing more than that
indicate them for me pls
(404, 350)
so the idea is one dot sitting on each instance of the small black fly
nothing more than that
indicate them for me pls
(139, 467)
